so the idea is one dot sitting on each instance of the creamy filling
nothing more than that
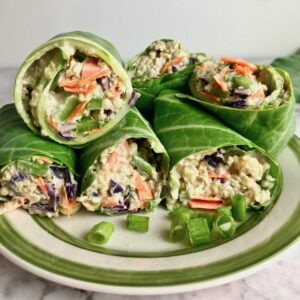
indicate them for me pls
(210, 179)
(126, 177)
(38, 185)
(160, 58)
(235, 83)
(83, 97)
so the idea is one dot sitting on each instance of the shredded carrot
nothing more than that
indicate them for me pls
(143, 188)
(220, 81)
(210, 96)
(257, 95)
(53, 124)
(238, 61)
(219, 176)
(78, 110)
(108, 202)
(201, 68)
(171, 63)
(204, 204)
(42, 186)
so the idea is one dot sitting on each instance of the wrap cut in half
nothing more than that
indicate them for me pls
(124, 171)
(210, 164)
(73, 88)
(35, 173)
(255, 100)
(164, 64)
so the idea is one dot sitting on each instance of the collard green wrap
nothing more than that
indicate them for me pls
(20, 147)
(133, 126)
(270, 127)
(184, 130)
(151, 87)
(291, 64)
(40, 75)
(17, 141)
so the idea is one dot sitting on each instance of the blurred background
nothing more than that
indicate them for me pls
(258, 29)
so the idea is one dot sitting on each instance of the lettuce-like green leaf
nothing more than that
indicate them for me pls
(270, 127)
(291, 64)
(17, 142)
(52, 57)
(151, 88)
(132, 126)
(184, 129)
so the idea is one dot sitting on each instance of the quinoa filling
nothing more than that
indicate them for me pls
(84, 95)
(160, 58)
(38, 185)
(208, 180)
(239, 84)
(126, 177)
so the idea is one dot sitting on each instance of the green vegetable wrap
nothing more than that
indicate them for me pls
(210, 163)
(291, 64)
(125, 170)
(164, 64)
(73, 88)
(256, 101)
(35, 173)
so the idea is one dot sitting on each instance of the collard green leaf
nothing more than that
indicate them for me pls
(151, 88)
(17, 142)
(132, 126)
(291, 64)
(270, 127)
(54, 56)
(184, 129)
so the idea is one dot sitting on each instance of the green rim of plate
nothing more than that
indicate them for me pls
(282, 238)
(52, 228)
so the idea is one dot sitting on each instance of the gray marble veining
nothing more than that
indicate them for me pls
(279, 281)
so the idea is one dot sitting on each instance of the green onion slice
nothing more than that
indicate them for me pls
(100, 233)
(137, 223)
(199, 232)
(239, 206)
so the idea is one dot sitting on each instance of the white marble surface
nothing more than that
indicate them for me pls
(279, 281)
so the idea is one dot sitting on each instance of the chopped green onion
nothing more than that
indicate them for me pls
(242, 81)
(224, 210)
(87, 124)
(179, 217)
(151, 205)
(138, 223)
(199, 232)
(209, 219)
(70, 104)
(94, 104)
(100, 233)
(184, 211)
(225, 225)
(32, 167)
(143, 166)
(178, 228)
(239, 206)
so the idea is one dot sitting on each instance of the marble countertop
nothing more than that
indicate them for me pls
(281, 280)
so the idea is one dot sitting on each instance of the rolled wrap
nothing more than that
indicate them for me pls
(198, 143)
(125, 170)
(73, 88)
(270, 123)
(35, 173)
(164, 64)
